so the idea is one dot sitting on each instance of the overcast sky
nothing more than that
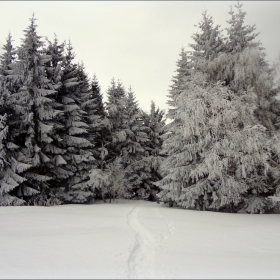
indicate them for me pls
(137, 42)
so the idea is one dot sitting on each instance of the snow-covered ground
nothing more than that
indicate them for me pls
(136, 239)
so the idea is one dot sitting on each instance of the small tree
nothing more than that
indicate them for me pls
(111, 182)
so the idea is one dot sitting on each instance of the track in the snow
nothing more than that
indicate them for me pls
(142, 256)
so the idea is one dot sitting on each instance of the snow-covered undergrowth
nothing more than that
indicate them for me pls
(136, 239)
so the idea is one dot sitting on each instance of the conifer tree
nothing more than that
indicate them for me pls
(11, 169)
(7, 87)
(240, 36)
(88, 103)
(76, 186)
(35, 98)
(182, 72)
(209, 42)
(55, 150)
(98, 96)
(8, 55)
(116, 108)
(155, 122)
(133, 148)
(103, 136)
(221, 162)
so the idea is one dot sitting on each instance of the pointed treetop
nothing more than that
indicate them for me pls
(209, 41)
(70, 55)
(240, 36)
(9, 53)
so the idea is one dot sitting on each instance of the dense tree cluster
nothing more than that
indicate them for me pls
(222, 144)
(58, 138)
(60, 142)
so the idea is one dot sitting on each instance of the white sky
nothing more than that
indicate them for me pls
(137, 42)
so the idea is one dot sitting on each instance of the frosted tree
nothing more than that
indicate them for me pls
(221, 161)
(111, 182)
(88, 103)
(7, 86)
(133, 148)
(34, 100)
(11, 169)
(182, 71)
(98, 96)
(248, 69)
(76, 186)
(240, 36)
(155, 122)
(134, 128)
(208, 42)
(54, 66)
(8, 55)
(116, 108)
(103, 135)
(129, 137)
(55, 150)
(178, 85)
(173, 136)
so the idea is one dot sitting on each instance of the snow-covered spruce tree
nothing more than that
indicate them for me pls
(110, 149)
(76, 186)
(88, 103)
(11, 169)
(183, 70)
(98, 96)
(55, 150)
(242, 65)
(240, 36)
(8, 55)
(115, 107)
(7, 87)
(208, 42)
(173, 134)
(155, 122)
(137, 168)
(35, 101)
(103, 134)
(223, 161)
(111, 182)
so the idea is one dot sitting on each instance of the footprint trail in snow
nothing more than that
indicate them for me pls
(142, 256)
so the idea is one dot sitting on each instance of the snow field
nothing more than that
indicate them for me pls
(136, 239)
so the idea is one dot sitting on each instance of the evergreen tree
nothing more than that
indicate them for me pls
(182, 72)
(103, 136)
(209, 42)
(34, 100)
(133, 148)
(116, 108)
(8, 55)
(89, 104)
(7, 87)
(11, 169)
(240, 36)
(55, 150)
(76, 186)
(155, 123)
(98, 96)
(221, 160)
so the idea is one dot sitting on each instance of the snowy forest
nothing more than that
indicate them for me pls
(217, 148)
